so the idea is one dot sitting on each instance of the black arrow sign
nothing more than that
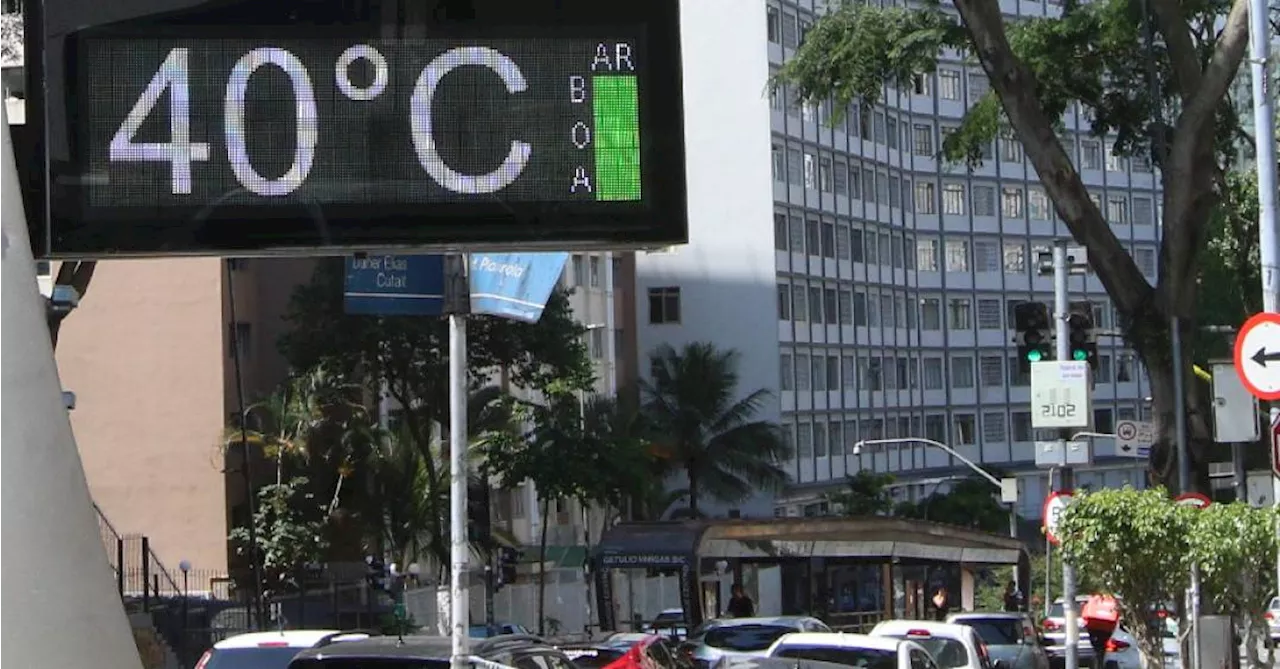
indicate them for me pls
(1262, 357)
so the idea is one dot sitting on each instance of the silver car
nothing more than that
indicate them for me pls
(1273, 618)
(742, 637)
(1011, 638)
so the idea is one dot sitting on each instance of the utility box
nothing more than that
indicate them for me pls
(1217, 639)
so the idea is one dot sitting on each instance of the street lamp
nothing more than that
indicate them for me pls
(185, 567)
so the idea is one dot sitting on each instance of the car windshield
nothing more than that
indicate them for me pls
(745, 637)
(276, 657)
(592, 658)
(669, 617)
(996, 631)
(948, 653)
(860, 658)
(1275, 604)
(1055, 610)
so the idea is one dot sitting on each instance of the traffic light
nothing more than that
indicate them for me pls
(1033, 333)
(1083, 339)
(479, 522)
(508, 558)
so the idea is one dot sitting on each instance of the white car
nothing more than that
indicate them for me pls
(853, 650)
(268, 650)
(1273, 618)
(952, 646)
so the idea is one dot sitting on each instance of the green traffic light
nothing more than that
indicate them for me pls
(1080, 355)
(1033, 356)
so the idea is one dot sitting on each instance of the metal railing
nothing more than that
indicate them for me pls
(140, 575)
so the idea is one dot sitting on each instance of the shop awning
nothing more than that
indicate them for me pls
(649, 545)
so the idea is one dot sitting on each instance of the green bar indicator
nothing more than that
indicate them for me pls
(616, 106)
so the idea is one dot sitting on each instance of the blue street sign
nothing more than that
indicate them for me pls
(392, 285)
(514, 285)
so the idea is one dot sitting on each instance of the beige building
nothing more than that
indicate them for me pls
(148, 355)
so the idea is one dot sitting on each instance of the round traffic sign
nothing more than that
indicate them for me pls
(1257, 355)
(1054, 505)
(1126, 430)
(1193, 499)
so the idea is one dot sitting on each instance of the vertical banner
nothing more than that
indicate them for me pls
(514, 285)
(394, 285)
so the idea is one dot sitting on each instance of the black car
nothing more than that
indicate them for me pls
(431, 652)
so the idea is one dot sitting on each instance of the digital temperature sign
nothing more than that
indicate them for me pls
(192, 140)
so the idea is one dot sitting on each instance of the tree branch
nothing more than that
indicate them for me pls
(1173, 25)
(1017, 88)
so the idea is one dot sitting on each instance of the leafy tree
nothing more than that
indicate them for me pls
(867, 494)
(970, 503)
(1235, 547)
(1165, 98)
(702, 427)
(289, 526)
(1134, 544)
(621, 435)
(1230, 277)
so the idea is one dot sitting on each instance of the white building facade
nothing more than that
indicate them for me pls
(867, 283)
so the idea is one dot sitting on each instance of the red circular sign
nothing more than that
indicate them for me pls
(1257, 364)
(1054, 505)
(1193, 499)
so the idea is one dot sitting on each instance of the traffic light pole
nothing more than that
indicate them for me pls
(1062, 341)
(459, 549)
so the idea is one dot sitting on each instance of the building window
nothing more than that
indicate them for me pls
(930, 314)
(664, 305)
(948, 84)
(857, 249)
(1037, 204)
(959, 314)
(1117, 210)
(240, 340)
(784, 302)
(962, 372)
(1103, 421)
(796, 228)
(978, 86)
(957, 255)
(844, 307)
(1011, 202)
(1090, 154)
(933, 373)
(824, 174)
(924, 198)
(579, 271)
(993, 428)
(986, 256)
(804, 435)
(779, 164)
(991, 371)
(819, 373)
(1104, 368)
(927, 254)
(922, 139)
(1142, 211)
(984, 201)
(594, 272)
(780, 231)
(1010, 148)
(812, 237)
(860, 308)
(989, 314)
(966, 429)
(819, 451)
(1125, 368)
(848, 365)
(920, 84)
(1114, 163)
(1021, 423)
(810, 170)
(833, 372)
(829, 308)
(891, 130)
(802, 372)
(952, 199)
(1017, 377)
(841, 178)
(935, 427)
(1015, 258)
(1140, 163)
(596, 346)
(786, 372)
(795, 167)
(773, 25)
(828, 240)
(1146, 260)
(815, 305)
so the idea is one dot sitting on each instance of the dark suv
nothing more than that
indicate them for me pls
(431, 652)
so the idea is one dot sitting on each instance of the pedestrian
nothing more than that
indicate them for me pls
(740, 605)
(940, 605)
(1012, 597)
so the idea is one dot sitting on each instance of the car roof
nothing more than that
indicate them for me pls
(290, 638)
(758, 620)
(423, 647)
(946, 630)
(837, 640)
(778, 663)
(987, 615)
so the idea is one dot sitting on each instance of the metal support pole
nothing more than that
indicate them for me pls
(1265, 142)
(459, 550)
(1063, 345)
(1184, 478)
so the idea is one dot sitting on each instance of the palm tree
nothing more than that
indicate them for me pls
(703, 427)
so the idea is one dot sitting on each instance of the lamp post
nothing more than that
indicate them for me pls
(185, 567)
(990, 478)
(586, 516)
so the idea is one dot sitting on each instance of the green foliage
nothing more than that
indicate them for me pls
(289, 524)
(867, 494)
(1134, 544)
(1230, 276)
(970, 503)
(701, 425)
(1235, 546)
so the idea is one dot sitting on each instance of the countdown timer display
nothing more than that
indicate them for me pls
(193, 141)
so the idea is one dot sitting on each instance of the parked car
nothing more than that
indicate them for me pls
(669, 623)
(853, 650)
(627, 640)
(430, 652)
(495, 629)
(1011, 638)
(724, 637)
(1273, 618)
(1054, 630)
(268, 650)
(952, 646)
(775, 663)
